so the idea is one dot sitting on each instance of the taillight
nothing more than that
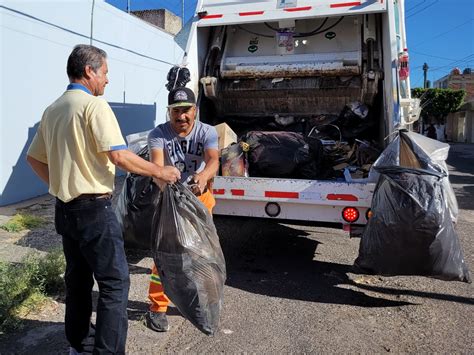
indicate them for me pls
(272, 209)
(350, 214)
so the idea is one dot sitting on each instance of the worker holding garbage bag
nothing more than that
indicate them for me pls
(192, 147)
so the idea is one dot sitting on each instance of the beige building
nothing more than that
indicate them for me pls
(458, 80)
(460, 124)
(161, 18)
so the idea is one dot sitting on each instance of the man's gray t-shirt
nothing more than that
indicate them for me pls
(185, 153)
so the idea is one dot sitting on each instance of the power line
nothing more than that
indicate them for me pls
(414, 7)
(467, 59)
(443, 33)
(432, 56)
(423, 9)
(31, 17)
(190, 7)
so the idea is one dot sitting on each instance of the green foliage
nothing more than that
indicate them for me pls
(24, 285)
(13, 290)
(49, 275)
(20, 222)
(437, 103)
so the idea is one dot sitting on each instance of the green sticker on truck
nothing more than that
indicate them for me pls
(253, 45)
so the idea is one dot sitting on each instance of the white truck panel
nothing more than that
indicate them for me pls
(311, 55)
(299, 199)
(307, 200)
(289, 211)
(227, 12)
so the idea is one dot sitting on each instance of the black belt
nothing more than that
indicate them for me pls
(92, 197)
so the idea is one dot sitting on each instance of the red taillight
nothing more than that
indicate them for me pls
(350, 214)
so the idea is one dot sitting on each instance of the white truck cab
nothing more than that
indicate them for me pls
(298, 58)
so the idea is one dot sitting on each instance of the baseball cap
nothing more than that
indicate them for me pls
(181, 97)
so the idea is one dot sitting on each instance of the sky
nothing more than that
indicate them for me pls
(439, 32)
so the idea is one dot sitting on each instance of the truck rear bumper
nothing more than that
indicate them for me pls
(292, 199)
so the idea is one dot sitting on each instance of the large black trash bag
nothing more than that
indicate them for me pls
(279, 154)
(412, 231)
(187, 253)
(135, 208)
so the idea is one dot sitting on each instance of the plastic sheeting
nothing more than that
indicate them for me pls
(412, 231)
(177, 77)
(280, 154)
(233, 161)
(135, 207)
(354, 121)
(187, 253)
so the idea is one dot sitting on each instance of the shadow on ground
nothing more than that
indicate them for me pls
(267, 258)
(37, 336)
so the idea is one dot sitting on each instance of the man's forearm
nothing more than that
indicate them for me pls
(40, 168)
(132, 163)
(212, 166)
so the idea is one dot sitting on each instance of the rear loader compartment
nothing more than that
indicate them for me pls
(321, 77)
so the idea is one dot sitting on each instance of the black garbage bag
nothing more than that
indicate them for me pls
(135, 208)
(412, 231)
(177, 77)
(188, 256)
(354, 121)
(277, 154)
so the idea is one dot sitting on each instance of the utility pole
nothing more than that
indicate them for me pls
(92, 22)
(182, 13)
(425, 74)
(128, 6)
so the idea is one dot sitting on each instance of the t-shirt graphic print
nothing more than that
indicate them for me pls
(185, 153)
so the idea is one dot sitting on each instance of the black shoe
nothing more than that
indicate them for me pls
(157, 321)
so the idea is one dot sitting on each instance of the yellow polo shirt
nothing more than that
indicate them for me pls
(73, 137)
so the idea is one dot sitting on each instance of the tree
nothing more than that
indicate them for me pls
(438, 103)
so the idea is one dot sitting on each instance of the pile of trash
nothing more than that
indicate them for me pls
(326, 147)
(411, 231)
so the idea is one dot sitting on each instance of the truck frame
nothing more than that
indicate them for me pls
(230, 53)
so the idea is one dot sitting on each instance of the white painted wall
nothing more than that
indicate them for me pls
(36, 40)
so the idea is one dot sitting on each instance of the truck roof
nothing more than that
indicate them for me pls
(228, 12)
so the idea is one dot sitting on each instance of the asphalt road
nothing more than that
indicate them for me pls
(290, 289)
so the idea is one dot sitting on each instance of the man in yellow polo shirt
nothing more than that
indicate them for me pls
(75, 151)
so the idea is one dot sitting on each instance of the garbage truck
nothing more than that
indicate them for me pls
(251, 61)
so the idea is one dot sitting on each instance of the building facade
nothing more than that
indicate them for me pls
(458, 80)
(37, 38)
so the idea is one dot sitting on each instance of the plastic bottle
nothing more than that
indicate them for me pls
(404, 69)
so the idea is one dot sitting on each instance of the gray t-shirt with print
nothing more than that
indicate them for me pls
(185, 153)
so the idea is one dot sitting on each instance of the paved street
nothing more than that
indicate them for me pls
(290, 289)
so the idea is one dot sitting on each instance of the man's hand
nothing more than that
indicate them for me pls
(198, 184)
(167, 174)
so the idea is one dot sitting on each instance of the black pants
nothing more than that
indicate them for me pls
(93, 247)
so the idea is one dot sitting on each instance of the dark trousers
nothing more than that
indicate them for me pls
(93, 247)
